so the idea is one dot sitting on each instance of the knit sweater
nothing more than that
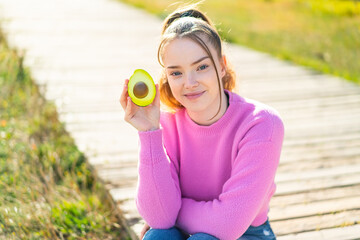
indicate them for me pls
(215, 179)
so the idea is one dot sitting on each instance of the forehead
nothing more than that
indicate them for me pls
(185, 49)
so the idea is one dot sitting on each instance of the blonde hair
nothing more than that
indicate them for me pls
(191, 23)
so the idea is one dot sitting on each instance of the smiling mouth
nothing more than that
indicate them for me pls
(194, 95)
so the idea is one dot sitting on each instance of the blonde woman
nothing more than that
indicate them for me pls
(206, 168)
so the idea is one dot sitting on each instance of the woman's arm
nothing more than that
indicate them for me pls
(158, 197)
(243, 194)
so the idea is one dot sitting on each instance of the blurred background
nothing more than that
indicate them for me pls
(322, 34)
(68, 161)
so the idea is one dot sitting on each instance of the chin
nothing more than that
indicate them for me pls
(193, 108)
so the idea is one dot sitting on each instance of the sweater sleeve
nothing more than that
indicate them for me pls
(242, 196)
(158, 196)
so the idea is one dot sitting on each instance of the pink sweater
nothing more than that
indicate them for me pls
(215, 179)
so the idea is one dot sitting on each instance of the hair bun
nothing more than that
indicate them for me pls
(193, 13)
(189, 11)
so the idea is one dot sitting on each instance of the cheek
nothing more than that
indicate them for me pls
(174, 87)
(210, 79)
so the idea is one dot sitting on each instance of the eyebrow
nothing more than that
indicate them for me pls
(197, 61)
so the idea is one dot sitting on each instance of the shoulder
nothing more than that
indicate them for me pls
(259, 121)
(169, 133)
(167, 119)
(168, 122)
(260, 110)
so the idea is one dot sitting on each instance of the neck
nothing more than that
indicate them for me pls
(204, 117)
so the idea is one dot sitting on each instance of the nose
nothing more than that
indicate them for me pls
(190, 81)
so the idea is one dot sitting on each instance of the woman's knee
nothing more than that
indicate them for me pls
(202, 236)
(164, 234)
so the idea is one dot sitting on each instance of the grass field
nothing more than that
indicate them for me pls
(47, 190)
(321, 34)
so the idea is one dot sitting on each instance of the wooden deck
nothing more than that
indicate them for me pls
(79, 52)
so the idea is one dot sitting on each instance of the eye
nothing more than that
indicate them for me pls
(175, 74)
(203, 67)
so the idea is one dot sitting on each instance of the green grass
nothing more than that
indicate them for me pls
(47, 190)
(321, 34)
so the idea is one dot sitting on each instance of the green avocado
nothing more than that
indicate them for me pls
(141, 88)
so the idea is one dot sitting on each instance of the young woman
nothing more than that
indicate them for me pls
(206, 168)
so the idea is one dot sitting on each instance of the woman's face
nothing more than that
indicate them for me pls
(192, 76)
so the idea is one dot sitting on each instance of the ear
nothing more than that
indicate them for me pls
(223, 65)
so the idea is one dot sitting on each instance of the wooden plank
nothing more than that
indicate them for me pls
(324, 143)
(318, 173)
(323, 120)
(118, 165)
(321, 128)
(315, 196)
(316, 222)
(118, 174)
(315, 208)
(123, 193)
(313, 80)
(272, 89)
(269, 70)
(316, 164)
(292, 187)
(302, 134)
(313, 106)
(341, 233)
(301, 166)
(315, 101)
(134, 220)
(120, 183)
(283, 96)
(301, 77)
(103, 106)
(321, 154)
(320, 113)
(324, 139)
(258, 72)
(103, 160)
(308, 101)
(78, 118)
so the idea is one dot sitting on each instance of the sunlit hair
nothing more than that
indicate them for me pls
(191, 23)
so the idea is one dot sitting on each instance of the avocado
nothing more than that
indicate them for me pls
(141, 88)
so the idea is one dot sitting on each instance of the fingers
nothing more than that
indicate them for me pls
(144, 230)
(128, 109)
(157, 96)
(126, 102)
(142, 234)
(124, 95)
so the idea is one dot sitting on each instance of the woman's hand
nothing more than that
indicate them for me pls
(144, 230)
(142, 118)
